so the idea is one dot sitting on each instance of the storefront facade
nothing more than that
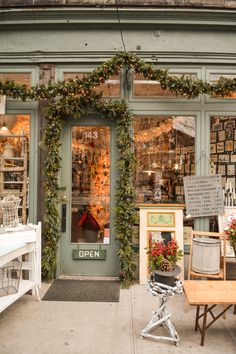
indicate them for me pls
(174, 136)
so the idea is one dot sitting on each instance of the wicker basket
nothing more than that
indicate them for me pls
(10, 205)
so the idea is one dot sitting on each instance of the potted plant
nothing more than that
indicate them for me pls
(162, 259)
(230, 233)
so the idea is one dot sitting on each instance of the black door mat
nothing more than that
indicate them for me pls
(83, 290)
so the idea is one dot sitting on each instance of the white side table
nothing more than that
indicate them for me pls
(161, 316)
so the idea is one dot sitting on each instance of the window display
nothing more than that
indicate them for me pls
(14, 161)
(164, 148)
(223, 154)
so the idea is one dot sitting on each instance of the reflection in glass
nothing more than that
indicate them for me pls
(90, 184)
(214, 78)
(109, 88)
(18, 78)
(150, 88)
(164, 148)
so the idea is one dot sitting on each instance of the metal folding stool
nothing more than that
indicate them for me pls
(161, 317)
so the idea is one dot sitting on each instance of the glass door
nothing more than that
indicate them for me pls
(90, 186)
(88, 244)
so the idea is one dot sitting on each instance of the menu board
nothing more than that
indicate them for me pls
(203, 195)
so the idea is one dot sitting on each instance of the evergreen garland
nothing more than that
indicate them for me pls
(75, 96)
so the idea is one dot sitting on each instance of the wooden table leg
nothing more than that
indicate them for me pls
(197, 318)
(203, 331)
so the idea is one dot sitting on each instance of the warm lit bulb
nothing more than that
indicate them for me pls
(4, 130)
(176, 167)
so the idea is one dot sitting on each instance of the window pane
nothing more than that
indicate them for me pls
(14, 162)
(164, 147)
(110, 88)
(223, 153)
(19, 78)
(75, 75)
(148, 88)
(215, 77)
(90, 184)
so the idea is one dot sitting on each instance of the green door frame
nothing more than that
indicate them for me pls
(110, 266)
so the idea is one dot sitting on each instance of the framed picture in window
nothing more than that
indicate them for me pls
(223, 158)
(223, 179)
(230, 170)
(229, 134)
(217, 126)
(221, 169)
(220, 147)
(213, 137)
(229, 145)
(233, 158)
(213, 148)
(214, 158)
(221, 135)
(230, 124)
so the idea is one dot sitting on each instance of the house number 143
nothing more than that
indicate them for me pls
(91, 135)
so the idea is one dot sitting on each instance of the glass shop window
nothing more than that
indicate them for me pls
(19, 78)
(109, 88)
(90, 189)
(164, 148)
(223, 154)
(215, 77)
(14, 160)
(152, 89)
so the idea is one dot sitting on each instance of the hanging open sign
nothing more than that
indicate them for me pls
(97, 254)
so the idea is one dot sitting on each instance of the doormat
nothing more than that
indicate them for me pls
(83, 290)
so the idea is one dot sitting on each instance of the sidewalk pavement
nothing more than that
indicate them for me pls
(32, 327)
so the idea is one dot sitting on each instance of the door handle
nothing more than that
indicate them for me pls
(63, 217)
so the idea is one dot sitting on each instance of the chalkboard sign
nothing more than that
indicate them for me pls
(203, 195)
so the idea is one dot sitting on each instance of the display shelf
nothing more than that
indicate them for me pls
(24, 287)
(14, 165)
(15, 243)
(10, 252)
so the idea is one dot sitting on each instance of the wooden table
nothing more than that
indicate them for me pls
(209, 293)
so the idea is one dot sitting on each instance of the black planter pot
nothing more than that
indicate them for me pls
(167, 278)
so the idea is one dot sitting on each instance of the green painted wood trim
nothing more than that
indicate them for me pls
(153, 56)
(130, 16)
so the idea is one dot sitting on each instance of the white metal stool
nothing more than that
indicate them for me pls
(161, 317)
